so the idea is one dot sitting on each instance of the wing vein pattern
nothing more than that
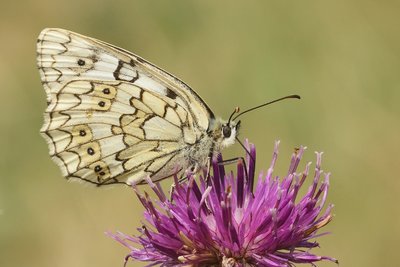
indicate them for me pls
(113, 117)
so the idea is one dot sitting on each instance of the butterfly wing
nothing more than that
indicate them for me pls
(64, 55)
(112, 116)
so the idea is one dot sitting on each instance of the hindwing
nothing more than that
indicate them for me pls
(108, 132)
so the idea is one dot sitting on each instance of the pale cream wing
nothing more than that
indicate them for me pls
(65, 55)
(107, 132)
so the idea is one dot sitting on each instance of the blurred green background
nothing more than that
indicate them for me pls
(342, 57)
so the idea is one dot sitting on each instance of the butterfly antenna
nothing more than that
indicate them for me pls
(265, 104)
(245, 149)
(237, 109)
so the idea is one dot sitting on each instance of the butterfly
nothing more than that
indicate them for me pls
(113, 117)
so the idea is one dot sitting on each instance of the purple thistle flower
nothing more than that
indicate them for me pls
(229, 224)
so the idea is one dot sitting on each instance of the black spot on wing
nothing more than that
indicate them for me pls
(171, 94)
(81, 62)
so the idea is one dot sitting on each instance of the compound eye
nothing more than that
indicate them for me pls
(226, 130)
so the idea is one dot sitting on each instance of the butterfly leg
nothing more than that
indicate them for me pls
(182, 179)
(174, 185)
(191, 171)
(207, 174)
(171, 191)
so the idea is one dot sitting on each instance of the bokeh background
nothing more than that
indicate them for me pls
(342, 57)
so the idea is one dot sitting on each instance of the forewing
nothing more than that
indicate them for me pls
(64, 55)
(107, 132)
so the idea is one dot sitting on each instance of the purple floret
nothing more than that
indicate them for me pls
(231, 221)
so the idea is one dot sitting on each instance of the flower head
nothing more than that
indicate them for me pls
(223, 221)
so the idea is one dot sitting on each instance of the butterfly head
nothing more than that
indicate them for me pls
(229, 131)
(225, 132)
